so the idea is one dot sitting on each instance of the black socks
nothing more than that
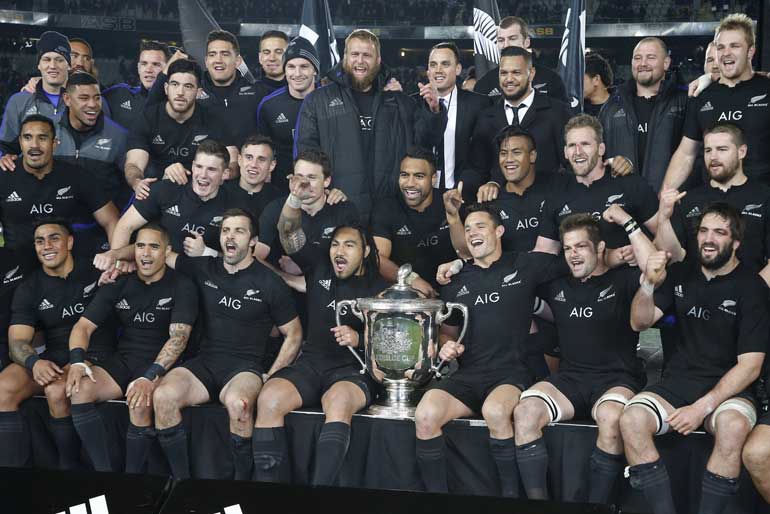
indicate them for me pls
(330, 452)
(173, 440)
(533, 465)
(504, 454)
(93, 435)
(717, 492)
(243, 459)
(605, 468)
(138, 442)
(431, 459)
(271, 455)
(15, 445)
(652, 479)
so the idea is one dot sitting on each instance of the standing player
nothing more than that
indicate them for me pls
(254, 189)
(50, 299)
(156, 308)
(598, 371)
(325, 373)
(272, 46)
(721, 309)
(242, 300)
(492, 374)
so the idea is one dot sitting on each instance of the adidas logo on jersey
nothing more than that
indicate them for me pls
(336, 102)
(13, 197)
(199, 139)
(282, 118)
(504, 216)
(462, 292)
(560, 297)
(679, 291)
(606, 294)
(61, 194)
(31, 110)
(565, 211)
(693, 213)
(173, 210)
(707, 107)
(157, 140)
(326, 284)
(750, 209)
(126, 105)
(45, 305)
(163, 304)
(620, 114)
(123, 305)
(404, 231)
(202, 95)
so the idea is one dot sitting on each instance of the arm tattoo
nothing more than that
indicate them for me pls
(20, 350)
(290, 231)
(178, 334)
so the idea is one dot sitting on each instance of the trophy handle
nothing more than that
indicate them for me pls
(441, 317)
(353, 304)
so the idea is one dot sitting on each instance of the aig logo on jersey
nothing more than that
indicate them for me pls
(428, 241)
(72, 310)
(728, 307)
(487, 298)
(699, 313)
(232, 303)
(251, 295)
(730, 116)
(510, 280)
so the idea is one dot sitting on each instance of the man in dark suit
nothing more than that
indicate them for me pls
(459, 111)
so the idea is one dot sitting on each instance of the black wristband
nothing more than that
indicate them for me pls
(154, 371)
(630, 221)
(29, 363)
(77, 355)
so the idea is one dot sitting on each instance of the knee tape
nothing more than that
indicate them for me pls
(652, 405)
(608, 397)
(735, 404)
(553, 408)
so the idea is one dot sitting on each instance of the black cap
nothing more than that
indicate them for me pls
(301, 47)
(52, 41)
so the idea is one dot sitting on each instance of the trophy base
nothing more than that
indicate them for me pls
(399, 400)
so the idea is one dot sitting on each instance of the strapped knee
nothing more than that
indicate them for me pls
(554, 411)
(652, 405)
(608, 397)
(736, 404)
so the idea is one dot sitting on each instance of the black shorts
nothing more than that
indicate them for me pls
(472, 386)
(764, 420)
(61, 356)
(680, 391)
(583, 389)
(124, 368)
(313, 374)
(215, 371)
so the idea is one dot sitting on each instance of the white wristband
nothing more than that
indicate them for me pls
(210, 252)
(86, 367)
(647, 288)
(293, 202)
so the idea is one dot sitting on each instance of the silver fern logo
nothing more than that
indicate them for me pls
(484, 35)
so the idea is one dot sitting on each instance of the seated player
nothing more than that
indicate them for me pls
(50, 299)
(598, 372)
(156, 308)
(721, 309)
(242, 300)
(492, 373)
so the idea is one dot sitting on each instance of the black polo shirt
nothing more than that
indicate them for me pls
(255, 203)
(277, 118)
(12, 271)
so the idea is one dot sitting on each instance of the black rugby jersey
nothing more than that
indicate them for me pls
(631, 192)
(126, 103)
(746, 105)
(145, 311)
(717, 319)
(277, 118)
(55, 304)
(12, 271)
(499, 300)
(593, 319)
(417, 238)
(255, 203)
(181, 212)
(239, 309)
(751, 199)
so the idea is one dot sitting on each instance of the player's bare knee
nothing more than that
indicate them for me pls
(428, 420)
(10, 395)
(497, 414)
(608, 417)
(85, 394)
(238, 405)
(732, 429)
(270, 405)
(634, 425)
(756, 455)
(530, 414)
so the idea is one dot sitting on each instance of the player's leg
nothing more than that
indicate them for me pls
(140, 434)
(16, 385)
(60, 422)
(730, 425)
(756, 456)
(644, 417)
(539, 405)
(179, 388)
(607, 460)
(436, 408)
(239, 396)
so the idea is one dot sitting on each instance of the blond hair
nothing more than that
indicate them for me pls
(365, 35)
(738, 21)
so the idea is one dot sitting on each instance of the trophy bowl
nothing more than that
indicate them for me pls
(401, 342)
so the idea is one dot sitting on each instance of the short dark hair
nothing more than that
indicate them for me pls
(516, 51)
(448, 45)
(484, 207)
(82, 41)
(157, 227)
(652, 39)
(372, 262)
(80, 78)
(259, 139)
(38, 118)
(510, 21)
(223, 35)
(723, 127)
(728, 213)
(585, 121)
(514, 131)
(185, 66)
(235, 212)
(421, 153)
(316, 156)
(215, 148)
(273, 34)
(156, 46)
(53, 220)
(596, 64)
(581, 221)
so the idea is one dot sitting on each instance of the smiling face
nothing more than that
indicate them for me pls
(347, 253)
(415, 180)
(53, 69)
(221, 62)
(515, 77)
(300, 76)
(443, 70)
(208, 173)
(582, 150)
(722, 156)
(85, 104)
(256, 163)
(361, 63)
(581, 254)
(236, 240)
(37, 145)
(649, 63)
(151, 62)
(716, 245)
(81, 57)
(52, 246)
(711, 65)
(150, 250)
(481, 235)
(515, 159)
(271, 52)
(181, 90)
(733, 53)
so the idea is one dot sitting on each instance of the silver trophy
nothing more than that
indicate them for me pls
(400, 342)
